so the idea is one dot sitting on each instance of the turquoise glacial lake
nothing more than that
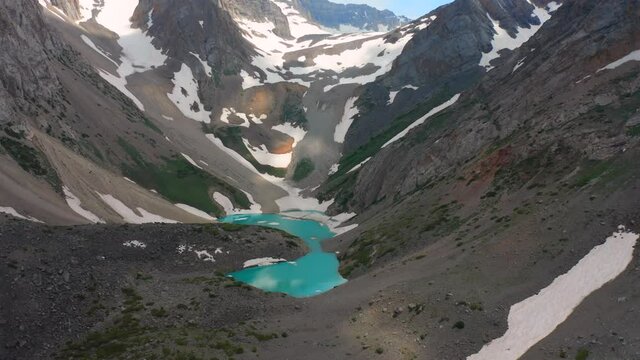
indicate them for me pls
(311, 275)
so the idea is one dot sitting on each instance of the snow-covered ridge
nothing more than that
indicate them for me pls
(322, 56)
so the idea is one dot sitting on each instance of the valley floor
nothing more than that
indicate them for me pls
(78, 292)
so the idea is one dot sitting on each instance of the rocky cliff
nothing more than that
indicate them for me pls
(443, 59)
(28, 81)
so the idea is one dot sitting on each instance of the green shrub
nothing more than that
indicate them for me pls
(303, 169)
(582, 354)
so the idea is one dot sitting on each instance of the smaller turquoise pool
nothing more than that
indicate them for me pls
(313, 274)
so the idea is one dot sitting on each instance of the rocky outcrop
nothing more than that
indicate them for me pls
(258, 10)
(27, 81)
(349, 16)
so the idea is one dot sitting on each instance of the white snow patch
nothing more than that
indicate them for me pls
(359, 165)
(264, 157)
(138, 53)
(204, 255)
(293, 201)
(249, 81)
(190, 160)
(502, 39)
(205, 65)
(224, 201)
(392, 96)
(46, 4)
(197, 212)
(11, 211)
(229, 209)
(632, 56)
(185, 96)
(95, 48)
(135, 244)
(298, 24)
(420, 121)
(536, 317)
(226, 112)
(296, 133)
(262, 262)
(130, 216)
(254, 208)
(335, 223)
(334, 169)
(75, 205)
(518, 65)
(350, 111)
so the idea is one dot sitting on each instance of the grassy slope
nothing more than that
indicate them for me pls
(180, 182)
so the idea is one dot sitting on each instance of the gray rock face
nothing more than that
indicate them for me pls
(359, 16)
(27, 81)
(258, 10)
(443, 58)
(176, 29)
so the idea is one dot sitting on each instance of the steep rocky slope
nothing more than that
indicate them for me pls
(77, 135)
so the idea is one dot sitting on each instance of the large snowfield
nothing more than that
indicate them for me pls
(536, 317)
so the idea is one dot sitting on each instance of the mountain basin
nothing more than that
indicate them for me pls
(313, 274)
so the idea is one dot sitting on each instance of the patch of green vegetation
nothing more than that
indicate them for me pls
(93, 149)
(180, 182)
(159, 312)
(591, 172)
(32, 161)
(229, 348)
(143, 277)
(14, 134)
(582, 354)
(115, 340)
(340, 185)
(440, 221)
(379, 351)
(390, 236)
(148, 123)
(262, 336)
(459, 325)
(232, 227)
(303, 169)
(231, 137)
